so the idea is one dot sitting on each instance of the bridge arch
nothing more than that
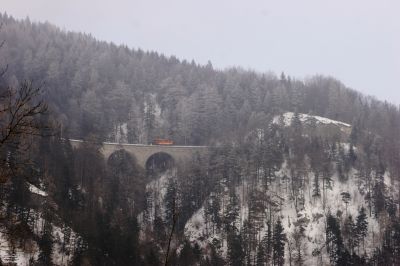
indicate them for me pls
(123, 164)
(120, 157)
(159, 161)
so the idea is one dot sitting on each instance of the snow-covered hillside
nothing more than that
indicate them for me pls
(291, 198)
(311, 216)
(26, 251)
(287, 119)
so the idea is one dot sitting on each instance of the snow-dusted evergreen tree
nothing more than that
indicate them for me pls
(212, 210)
(231, 212)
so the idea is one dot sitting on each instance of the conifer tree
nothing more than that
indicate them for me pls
(231, 212)
(170, 201)
(214, 209)
(150, 119)
(236, 255)
(378, 197)
(316, 192)
(349, 233)
(46, 245)
(279, 238)
(260, 254)
(361, 226)
(334, 241)
(346, 198)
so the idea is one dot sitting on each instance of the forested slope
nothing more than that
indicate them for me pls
(94, 86)
(299, 171)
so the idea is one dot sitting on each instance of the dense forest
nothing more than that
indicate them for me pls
(298, 171)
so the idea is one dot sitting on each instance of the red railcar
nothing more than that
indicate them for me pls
(162, 142)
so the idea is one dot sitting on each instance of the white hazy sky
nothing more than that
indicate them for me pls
(356, 41)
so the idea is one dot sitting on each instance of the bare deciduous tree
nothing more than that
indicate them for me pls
(18, 112)
(19, 119)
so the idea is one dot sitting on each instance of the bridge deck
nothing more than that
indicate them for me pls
(143, 145)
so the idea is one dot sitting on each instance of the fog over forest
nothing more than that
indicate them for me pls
(270, 147)
(354, 41)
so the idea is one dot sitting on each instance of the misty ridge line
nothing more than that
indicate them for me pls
(89, 37)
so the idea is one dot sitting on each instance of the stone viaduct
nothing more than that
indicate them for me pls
(142, 152)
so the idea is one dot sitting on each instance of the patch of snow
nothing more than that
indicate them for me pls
(195, 228)
(62, 250)
(62, 244)
(9, 253)
(287, 117)
(35, 190)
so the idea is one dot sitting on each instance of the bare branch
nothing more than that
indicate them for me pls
(20, 112)
(4, 70)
